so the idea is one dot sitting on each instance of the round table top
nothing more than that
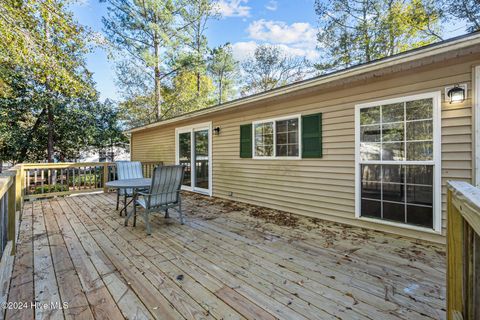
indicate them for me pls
(130, 183)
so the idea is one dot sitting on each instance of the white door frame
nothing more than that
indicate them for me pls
(192, 129)
(476, 112)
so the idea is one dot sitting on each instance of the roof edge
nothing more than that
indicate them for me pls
(407, 56)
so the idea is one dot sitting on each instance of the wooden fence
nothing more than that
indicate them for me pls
(463, 251)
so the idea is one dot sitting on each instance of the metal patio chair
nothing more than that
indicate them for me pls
(164, 194)
(127, 170)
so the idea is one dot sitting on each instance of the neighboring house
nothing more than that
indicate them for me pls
(106, 155)
(370, 146)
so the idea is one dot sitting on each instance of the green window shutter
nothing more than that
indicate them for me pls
(312, 136)
(246, 141)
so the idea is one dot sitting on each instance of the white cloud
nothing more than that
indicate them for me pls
(280, 32)
(296, 39)
(272, 5)
(244, 50)
(233, 8)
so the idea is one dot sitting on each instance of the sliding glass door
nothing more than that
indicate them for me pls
(194, 152)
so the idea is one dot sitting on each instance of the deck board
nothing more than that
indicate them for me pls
(222, 264)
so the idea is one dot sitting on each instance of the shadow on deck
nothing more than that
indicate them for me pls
(229, 261)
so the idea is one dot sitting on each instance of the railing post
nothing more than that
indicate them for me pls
(12, 213)
(454, 259)
(19, 181)
(105, 177)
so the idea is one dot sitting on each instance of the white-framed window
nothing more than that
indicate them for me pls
(398, 157)
(277, 138)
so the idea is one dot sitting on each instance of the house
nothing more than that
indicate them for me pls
(371, 146)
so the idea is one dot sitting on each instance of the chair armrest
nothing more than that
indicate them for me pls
(146, 194)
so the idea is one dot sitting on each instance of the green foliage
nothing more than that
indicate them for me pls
(49, 108)
(223, 69)
(355, 32)
(85, 180)
(182, 95)
(463, 10)
(79, 123)
(41, 39)
(270, 68)
(50, 188)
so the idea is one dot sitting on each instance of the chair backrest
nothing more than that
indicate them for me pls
(129, 170)
(166, 184)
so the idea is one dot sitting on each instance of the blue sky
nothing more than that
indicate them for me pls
(290, 24)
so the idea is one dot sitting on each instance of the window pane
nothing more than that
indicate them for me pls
(422, 216)
(420, 130)
(185, 152)
(371, 208)
(293, 125)
(371, 190)
(287, 138)
(201, 159)
(419, 109)
(393, 132)
(370, 133)
(393, 173)
(370, 115)
(293, 150)
(281, 150)
(393, 192)
(419, 151)
(281, 126)
(282, 138)
(370, 151)
(264, 139)
(371, 172)
(393, 112)
(393, 151)
(422, 174)
(293, 137)
(394, 211)
(420, 195)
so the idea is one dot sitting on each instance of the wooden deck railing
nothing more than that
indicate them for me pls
(38, 180)
(10, 208)
(56, 179)
(463, 251)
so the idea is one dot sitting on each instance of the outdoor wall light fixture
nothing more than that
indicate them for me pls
(457, 93)
(216, 131)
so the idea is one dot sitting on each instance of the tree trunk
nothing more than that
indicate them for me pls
(198, 83)
(220, 90)
(27, 141)
(50, 141)
(199, 51)
(158, 94)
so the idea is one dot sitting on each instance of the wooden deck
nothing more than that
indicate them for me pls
(230, 261)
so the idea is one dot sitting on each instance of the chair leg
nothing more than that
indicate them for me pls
(147, 223)
(134, 214)
(124, 204)
(166, 214)
(128, 216)
(118, 198)
(182, 221)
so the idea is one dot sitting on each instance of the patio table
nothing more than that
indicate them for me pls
(135, 184)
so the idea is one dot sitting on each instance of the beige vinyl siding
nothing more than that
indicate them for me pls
(321, 188)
